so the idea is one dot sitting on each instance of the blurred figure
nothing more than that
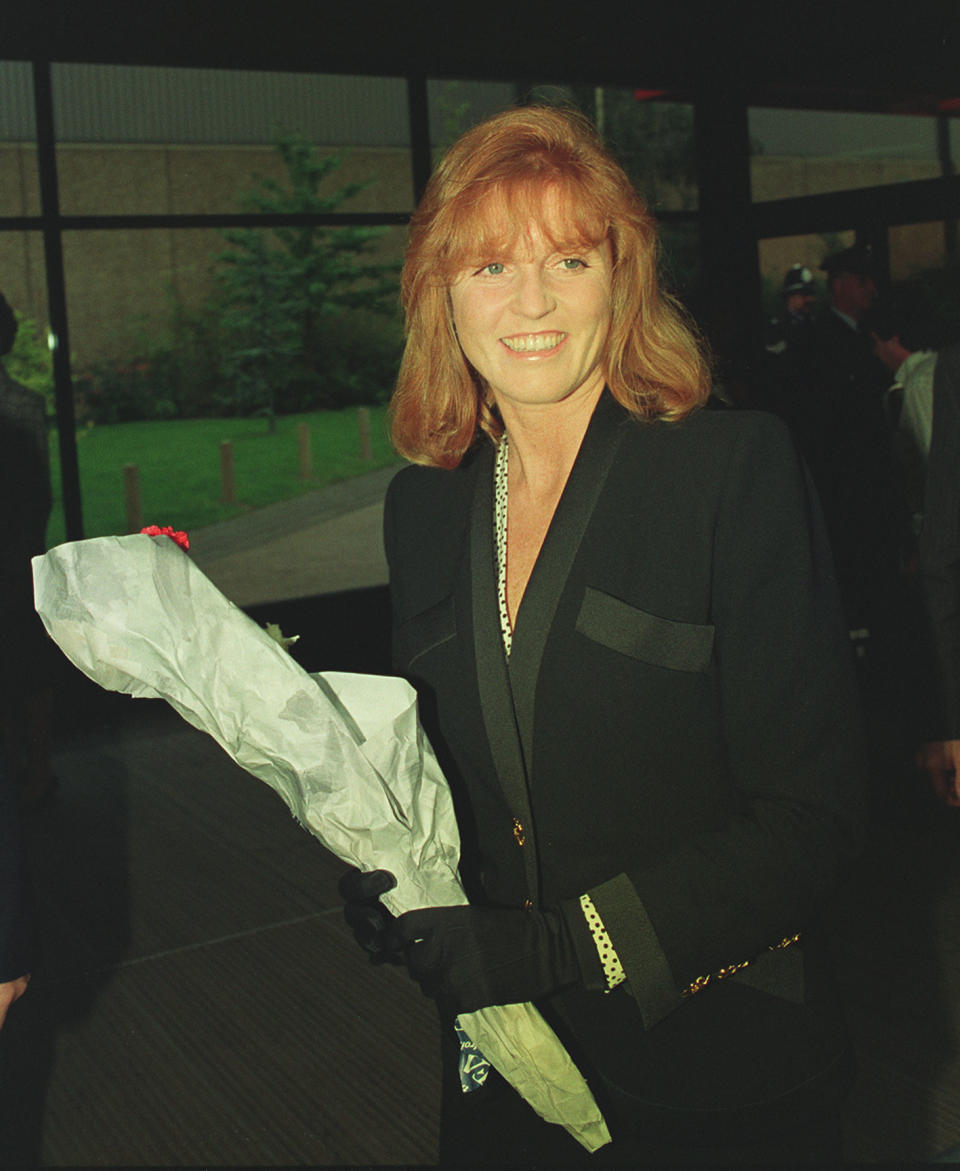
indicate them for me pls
(939, 756)
(25, 688)
(898, 342)
(18, 456)
(792, 327)
(853, 463)
(831, 390)
(851, 284)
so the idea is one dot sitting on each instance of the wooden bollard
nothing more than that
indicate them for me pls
(131, 493)
(303, 451)
(363, 422)
(228, 494)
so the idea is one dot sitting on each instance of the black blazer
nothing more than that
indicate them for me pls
(677, 733)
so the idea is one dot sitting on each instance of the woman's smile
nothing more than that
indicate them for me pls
(534, 343)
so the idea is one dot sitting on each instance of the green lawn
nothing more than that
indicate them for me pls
(179, 462)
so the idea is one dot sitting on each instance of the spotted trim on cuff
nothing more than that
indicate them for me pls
(613, 971)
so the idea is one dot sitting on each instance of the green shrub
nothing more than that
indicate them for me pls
(289, 296)
(181, 376)
(106, 393)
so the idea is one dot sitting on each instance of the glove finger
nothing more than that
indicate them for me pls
(369, 925)
(360, 886)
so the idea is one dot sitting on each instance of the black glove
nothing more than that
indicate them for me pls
(367, 916)
(479, 956)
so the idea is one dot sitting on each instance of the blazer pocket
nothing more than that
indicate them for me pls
(426, 631)
(678, 646)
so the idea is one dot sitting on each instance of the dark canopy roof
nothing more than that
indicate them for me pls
(846, 54)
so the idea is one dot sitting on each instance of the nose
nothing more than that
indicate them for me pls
(532, 294)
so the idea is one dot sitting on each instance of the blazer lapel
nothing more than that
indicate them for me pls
(496, 699)
(507, 695)
(552, 569)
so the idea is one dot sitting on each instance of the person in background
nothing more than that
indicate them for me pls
(939, 755)
(897, 342)
(16, 921)
(900, 329)
(852, 290)
(25, 500)
(831, 391)
(792, 328)
(620, 615)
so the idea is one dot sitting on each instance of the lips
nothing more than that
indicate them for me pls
(533, 343)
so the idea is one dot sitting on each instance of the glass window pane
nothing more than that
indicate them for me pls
(652, 139)
(157, 339)
(19, 184)
(159, 141)
(810, 152)
(680, 260)
(22, 275)
(29, 362)
(926, 283)
(915, 248)
(654, 142)
(454, 106)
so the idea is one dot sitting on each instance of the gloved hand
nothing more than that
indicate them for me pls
(479, 956)
(366, 915)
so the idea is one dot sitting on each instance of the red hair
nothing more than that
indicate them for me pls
(482, 196)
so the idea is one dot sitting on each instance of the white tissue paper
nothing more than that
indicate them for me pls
(345, 752)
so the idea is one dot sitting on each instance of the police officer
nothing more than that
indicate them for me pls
(844, 347)
(800, 301)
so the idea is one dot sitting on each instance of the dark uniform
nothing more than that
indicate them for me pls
(792, 327)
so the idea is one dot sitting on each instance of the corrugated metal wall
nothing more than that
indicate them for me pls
(17, 121)
(140, 104)
(126, 104)
(98, 103)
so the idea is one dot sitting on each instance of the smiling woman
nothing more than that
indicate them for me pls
(534, 179)
(620, 617)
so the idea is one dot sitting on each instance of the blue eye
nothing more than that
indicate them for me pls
(571, 263)
(494, 269)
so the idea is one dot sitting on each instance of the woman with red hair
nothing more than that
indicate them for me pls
(619, 614)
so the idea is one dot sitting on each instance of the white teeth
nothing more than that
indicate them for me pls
(528, 343)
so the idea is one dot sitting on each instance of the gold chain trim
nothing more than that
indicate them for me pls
(702, 981)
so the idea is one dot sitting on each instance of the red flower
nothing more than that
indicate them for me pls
(181, 538)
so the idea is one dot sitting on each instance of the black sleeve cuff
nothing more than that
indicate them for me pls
(649, 978)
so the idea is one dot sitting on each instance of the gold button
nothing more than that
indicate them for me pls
(518, 832)
(528, 904)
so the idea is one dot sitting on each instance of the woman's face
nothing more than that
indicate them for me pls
(534, 323)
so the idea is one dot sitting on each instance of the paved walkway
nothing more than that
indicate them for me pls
(322, 542)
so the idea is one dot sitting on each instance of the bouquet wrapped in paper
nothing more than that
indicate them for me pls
(345, 752)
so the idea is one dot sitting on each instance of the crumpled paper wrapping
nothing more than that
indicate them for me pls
(345, 752)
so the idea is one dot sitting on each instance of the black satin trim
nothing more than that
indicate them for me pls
(662, 642)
